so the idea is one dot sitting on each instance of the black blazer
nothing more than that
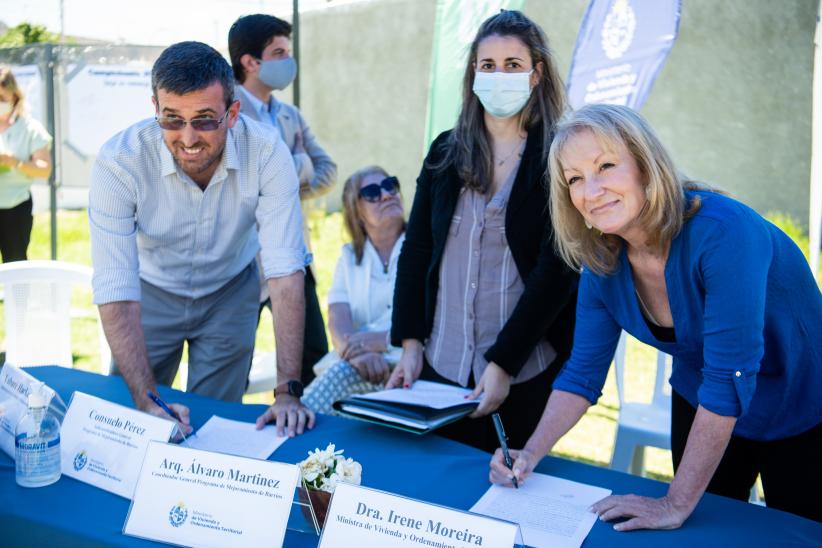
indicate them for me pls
(547, 305)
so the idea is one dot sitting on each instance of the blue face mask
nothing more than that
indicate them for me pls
(503, 94)
(278, 73)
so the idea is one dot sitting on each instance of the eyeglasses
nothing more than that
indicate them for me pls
(173, 123)
(373, 192)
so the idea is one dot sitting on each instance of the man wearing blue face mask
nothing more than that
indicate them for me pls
(260, 50)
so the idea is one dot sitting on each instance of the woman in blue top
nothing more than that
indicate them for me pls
(24, 156)
(701, 277)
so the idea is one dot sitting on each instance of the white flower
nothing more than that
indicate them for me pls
(350, 471)
(330, 483)
(310, 470)
(324, 469)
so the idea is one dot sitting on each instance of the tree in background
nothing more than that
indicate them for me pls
(27, 33)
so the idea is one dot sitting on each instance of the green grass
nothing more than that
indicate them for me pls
(590, 441)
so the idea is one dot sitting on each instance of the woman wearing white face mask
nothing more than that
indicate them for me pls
(481, 299)
(24, 156)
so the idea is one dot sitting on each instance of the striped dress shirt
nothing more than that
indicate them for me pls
(150, 221)
(479, 289)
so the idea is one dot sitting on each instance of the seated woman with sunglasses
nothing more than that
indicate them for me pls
(359, 302)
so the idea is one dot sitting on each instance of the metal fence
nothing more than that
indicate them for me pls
(83, 95)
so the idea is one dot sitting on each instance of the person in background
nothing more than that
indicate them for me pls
(25, 155)
(360, 299)
(482, 300)
(704, 278)
(260, 50)
(179, 207)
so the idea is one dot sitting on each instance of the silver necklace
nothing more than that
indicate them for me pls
(513, 150)
(645, 309)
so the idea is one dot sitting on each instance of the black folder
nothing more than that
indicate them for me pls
(419, 419)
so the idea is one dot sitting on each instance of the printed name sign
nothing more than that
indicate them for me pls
(104, 443)
(197, 498)
(15, 385)
(359, 516)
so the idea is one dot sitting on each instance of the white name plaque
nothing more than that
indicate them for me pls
(197, 498)
(103, 443)
(359, 516)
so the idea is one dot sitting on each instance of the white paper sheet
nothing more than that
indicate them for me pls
(550, 511)
(235, 438)
(431, 394)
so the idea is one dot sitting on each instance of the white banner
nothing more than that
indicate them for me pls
(197, 498)
(104, 100)
(359, 516)
(104, 443)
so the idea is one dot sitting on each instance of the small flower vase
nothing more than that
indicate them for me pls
(319, 500)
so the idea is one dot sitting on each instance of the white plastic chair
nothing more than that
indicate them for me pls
(263, 374)
(641, 424)
(37, 303)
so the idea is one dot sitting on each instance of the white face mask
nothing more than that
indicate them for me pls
(503, 94)
(5, 108)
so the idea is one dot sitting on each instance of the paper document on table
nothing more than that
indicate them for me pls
(429, 394)
(235, 438)
(550, 511)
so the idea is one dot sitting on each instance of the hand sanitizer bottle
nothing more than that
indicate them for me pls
(37, 443)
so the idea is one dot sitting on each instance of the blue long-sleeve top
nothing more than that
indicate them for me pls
(747, 315)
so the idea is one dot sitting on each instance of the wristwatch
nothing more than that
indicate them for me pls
(292, 388)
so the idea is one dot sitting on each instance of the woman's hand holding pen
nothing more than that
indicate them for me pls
(524, 463)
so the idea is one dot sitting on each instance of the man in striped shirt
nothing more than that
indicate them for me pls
(179, 207)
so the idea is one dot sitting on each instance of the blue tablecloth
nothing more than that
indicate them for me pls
(71, 513)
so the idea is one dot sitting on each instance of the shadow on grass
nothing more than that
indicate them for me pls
(577, 458)
(610, 416)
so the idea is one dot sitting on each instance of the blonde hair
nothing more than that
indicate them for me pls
(351, 211)
(665, 209)
(9, 83)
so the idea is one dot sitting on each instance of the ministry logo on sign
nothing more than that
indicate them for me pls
(178, 514)
(618, 29)
(80, 460)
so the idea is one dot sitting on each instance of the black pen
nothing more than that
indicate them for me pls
(503, 443)
(162, 405)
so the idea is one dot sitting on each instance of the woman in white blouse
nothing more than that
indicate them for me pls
(361, 296)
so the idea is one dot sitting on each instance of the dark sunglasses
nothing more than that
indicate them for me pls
(197, 124)
(373, 192)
